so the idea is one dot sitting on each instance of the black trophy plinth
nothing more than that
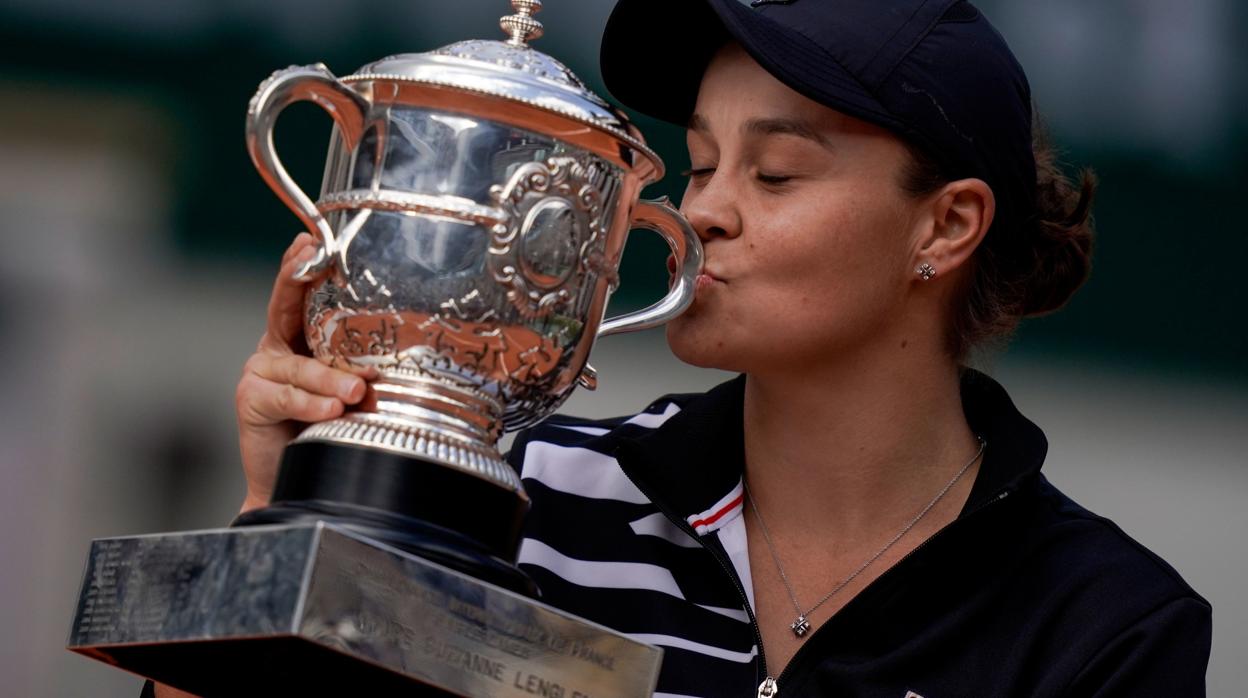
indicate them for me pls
(445, 515)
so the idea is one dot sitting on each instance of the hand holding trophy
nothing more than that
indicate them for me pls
(472, 217)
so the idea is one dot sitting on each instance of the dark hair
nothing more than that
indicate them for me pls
(1033, 268)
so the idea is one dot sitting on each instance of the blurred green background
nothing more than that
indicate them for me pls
(1151, 94)
(140, 243)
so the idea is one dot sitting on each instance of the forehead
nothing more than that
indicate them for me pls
(737, 93)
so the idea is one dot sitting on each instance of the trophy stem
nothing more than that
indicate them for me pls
(414, 414)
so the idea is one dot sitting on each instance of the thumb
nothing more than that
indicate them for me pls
(285, 313)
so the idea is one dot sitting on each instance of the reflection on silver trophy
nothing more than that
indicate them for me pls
(473, 213)
(471, 222)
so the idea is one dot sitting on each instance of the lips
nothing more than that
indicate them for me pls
(707, 276)
(711, 274)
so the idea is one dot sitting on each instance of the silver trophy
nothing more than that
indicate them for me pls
(471, 222)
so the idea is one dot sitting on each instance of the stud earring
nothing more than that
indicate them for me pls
(925, 271)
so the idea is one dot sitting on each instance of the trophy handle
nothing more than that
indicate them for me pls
(661, 217)
(313, 83)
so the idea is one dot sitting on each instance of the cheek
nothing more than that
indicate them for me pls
(811, 281)
(835, 262)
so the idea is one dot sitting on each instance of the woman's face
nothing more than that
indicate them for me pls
(808, 235)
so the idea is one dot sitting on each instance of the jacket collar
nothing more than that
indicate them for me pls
(692, 465)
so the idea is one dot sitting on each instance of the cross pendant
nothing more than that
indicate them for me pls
(801, 626)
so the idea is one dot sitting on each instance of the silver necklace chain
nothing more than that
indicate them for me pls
(801, 626)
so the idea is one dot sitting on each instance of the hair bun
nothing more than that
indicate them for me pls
(1060, 236)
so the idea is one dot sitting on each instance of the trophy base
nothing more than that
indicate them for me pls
(319, 610)
(450, 517)
(260, 667)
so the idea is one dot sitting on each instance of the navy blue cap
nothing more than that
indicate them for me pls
(934, 72)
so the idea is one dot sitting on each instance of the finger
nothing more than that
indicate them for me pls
(301, 241)
(262, 402)
(368, 373)
(308, 374)
(285, 313)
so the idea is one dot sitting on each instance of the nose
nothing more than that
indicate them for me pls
(712, 209)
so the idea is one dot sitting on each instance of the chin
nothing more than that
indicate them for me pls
(697, 341)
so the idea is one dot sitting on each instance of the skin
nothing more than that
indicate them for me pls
(853, 419)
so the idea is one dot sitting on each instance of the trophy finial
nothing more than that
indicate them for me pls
(521, 26)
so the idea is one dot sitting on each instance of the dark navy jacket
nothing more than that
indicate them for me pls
(1025, 594)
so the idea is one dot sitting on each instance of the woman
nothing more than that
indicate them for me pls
(857, 514)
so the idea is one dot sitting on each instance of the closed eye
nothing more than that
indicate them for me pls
(772, 179)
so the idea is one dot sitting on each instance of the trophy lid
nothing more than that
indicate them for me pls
(513, 71)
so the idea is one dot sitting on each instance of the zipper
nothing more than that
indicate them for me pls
(774, 684)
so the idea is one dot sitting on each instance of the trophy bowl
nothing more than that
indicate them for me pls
(471, 221)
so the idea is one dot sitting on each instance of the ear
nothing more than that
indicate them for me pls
(961, 212)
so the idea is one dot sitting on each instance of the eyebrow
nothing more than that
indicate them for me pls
(770, 127)
(789, 127)
(697, 122)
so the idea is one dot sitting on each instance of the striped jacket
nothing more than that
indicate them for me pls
(636, 524)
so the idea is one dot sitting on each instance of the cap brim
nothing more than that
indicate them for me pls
(652, 59)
